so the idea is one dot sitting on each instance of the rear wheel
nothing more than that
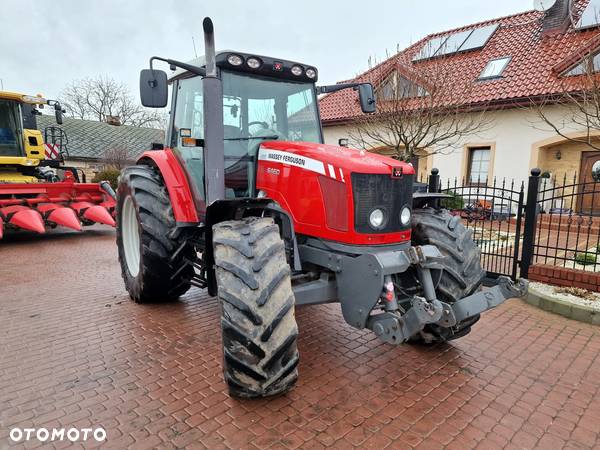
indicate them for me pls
(153, 263)
(260, 355)
(462, 274)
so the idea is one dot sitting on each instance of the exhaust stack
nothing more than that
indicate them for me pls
(214, 152)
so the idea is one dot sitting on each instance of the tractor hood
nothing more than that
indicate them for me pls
(324, 158)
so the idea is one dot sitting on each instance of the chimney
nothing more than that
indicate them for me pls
(557, 18)
(113, 120)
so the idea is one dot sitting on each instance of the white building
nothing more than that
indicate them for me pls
(510, 61)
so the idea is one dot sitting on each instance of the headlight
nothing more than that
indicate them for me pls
(377, 219)
(235, 60)
(311, 73)
(405, 216)
(253, 63)
(297, 70)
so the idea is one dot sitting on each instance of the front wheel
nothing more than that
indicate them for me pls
(461, 275)
(260, 355)
(154, 265)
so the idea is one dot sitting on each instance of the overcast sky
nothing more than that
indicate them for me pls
(47, 43)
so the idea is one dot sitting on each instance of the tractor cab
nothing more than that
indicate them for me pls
(263, 99)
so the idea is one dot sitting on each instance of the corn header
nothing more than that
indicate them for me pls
(37, 190)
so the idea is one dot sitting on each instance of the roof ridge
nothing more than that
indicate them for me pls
(99, 123)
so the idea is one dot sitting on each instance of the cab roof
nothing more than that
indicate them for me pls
(266, 68)
(22, 98)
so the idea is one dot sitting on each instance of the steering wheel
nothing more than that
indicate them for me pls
(258, 122)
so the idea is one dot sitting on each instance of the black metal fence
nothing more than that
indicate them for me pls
(568, 222)
(546, 221)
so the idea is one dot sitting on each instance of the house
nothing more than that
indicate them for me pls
(510, 63)
(89, 142)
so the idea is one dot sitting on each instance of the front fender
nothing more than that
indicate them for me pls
(180, 192)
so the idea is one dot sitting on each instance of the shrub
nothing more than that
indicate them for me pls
(585, 259)
(454, 202)
(110, 174)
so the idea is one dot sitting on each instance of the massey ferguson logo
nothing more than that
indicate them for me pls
(296, 160)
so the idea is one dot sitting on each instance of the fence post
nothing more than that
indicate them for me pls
(434, 186)
(434, 181)
(530, 221)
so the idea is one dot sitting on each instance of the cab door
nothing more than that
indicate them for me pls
(187, 132)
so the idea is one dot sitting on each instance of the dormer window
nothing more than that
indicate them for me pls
(494, 68)
(590, 64)
(396, 87)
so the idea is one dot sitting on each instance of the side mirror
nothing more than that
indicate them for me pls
(367, 98)
(58, 113)
(153, 88)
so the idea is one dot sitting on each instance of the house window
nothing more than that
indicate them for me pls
(494, 68)
(478, 164)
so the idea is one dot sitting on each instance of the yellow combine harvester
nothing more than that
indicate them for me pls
(20, 157)
(36, 189)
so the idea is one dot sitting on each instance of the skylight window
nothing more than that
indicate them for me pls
(430, 47)
(494, 68)
(453, 43)
(479, 37)
(461, 41)
(590, 16)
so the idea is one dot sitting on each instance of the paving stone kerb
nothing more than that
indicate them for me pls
(77, 353)
(555, 305)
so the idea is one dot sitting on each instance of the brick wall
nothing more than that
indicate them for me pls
(562, 276)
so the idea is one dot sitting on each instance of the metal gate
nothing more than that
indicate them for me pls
(494, 211)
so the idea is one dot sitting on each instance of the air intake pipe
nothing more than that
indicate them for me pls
(214, 151)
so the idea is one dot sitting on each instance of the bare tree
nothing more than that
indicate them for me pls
(580, 99)
(103, 99)
(117, 157)
(420, 113)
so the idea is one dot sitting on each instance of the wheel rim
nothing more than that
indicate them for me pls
(131, 237)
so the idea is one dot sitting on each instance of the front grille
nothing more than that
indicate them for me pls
(372, 191)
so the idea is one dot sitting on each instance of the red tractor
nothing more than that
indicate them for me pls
(246, 201)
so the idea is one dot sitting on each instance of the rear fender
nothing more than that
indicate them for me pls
(180, 192)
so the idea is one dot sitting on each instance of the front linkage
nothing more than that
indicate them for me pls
(365, 283)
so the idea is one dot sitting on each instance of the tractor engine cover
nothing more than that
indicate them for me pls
(331, 191)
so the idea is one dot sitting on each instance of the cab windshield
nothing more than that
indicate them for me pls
(255, 109)
(259, 106)
(11, 141)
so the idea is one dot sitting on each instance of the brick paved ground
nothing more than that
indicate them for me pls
(76, 352)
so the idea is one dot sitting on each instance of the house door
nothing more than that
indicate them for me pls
(415, 163)
(589, 190)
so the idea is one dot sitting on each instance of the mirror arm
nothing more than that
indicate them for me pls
(336, 87)
(173, 63)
